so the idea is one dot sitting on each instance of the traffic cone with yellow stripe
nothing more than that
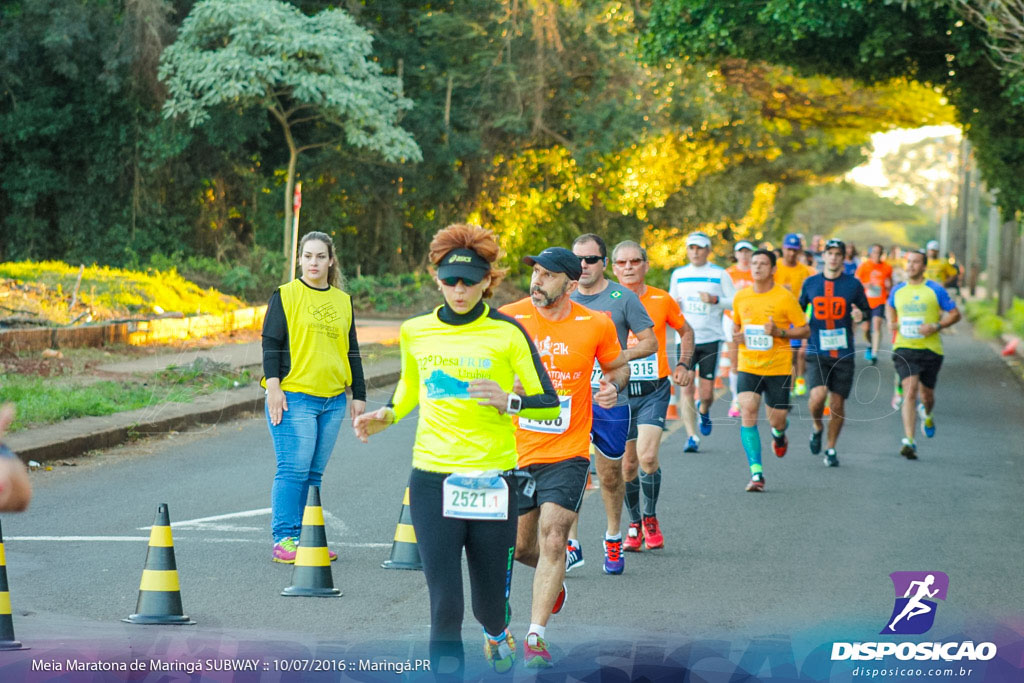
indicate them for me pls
(405, 554)
(7, 641)
(159, 592)
(311, 576)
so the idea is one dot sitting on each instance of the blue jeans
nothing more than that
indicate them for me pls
(302, 443)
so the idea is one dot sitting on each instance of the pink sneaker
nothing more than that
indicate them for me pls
(734, 410)
(285, 550)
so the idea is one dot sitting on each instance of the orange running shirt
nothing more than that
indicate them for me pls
(740, 278)
(567, 348)
(759, 353)
(873, 276)
(664, 310)
(792, 277)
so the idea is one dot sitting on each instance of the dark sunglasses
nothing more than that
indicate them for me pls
(591, 259)
(452, 281)
(632, 262)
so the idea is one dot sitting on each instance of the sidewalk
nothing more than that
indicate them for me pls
(71, 438)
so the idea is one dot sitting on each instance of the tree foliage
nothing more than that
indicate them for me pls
(310, 73)
(868, 40)
(536, 117)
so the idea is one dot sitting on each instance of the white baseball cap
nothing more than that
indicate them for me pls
(933, 245)
(699, 239)
(743, 244)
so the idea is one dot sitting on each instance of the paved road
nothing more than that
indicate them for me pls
(802, 565)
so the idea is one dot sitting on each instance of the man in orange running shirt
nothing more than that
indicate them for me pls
(649, 393)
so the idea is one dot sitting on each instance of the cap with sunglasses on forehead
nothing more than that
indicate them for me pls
(559, 260)
(698, 239)
(835, 244)
(743, 244)
(463, 264)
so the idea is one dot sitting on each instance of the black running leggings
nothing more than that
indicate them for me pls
(490, 548)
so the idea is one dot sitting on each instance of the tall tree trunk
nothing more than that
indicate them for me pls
(289, 193)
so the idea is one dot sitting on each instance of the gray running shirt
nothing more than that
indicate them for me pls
(627, 312)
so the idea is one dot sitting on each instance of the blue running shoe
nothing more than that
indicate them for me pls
(705, 421)
(927, 422)
(573, 556)
(868, 356)
(692, 444)
(816, 442)
(614, 562)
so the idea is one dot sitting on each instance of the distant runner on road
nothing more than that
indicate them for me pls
(918, 310)
(704, 292)
(765, 317)
(836, 301)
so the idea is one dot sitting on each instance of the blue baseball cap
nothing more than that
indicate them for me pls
(792, 241)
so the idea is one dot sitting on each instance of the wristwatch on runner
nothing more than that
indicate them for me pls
(515, 404)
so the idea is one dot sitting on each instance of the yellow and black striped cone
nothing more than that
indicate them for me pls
(159, 593)
(405, 554)
(7, 641)
(311, 577)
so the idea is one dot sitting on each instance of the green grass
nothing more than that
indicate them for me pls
(989, 325)
(42, 401)
(113, 292)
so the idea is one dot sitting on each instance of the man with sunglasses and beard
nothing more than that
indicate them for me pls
(611, 425)
(570, 340)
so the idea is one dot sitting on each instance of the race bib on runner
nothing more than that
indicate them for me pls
(910, 328)
(595, 376)
(482, 495)
(644, 368)
(832, 340)
(692, 305)
(556, 426)
(874, 291)
(755, 338)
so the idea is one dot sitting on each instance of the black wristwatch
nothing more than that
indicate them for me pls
(688, 367)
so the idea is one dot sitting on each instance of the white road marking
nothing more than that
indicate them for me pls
(215, 518)
(143, 539)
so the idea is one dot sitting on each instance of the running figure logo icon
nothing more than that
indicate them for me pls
(914, 611)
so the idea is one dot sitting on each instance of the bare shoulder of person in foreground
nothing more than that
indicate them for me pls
(15, 487)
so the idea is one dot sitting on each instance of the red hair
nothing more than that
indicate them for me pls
(465, 236)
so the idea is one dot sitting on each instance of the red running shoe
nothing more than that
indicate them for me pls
(652, 534)
(756, 484)
(780, 444)
(559, 601)
(634, 540)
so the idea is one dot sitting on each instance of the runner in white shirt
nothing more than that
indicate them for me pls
(704, 292)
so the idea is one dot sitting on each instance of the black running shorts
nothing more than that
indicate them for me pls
(774, 388)
(921, 362)
(836, 374)
(561, 483)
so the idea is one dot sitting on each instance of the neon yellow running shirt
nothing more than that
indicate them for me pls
(439, 359)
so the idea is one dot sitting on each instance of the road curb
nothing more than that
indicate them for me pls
(72, 438)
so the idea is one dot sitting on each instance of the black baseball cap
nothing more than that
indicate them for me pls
(463, 263)
(557, 260)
